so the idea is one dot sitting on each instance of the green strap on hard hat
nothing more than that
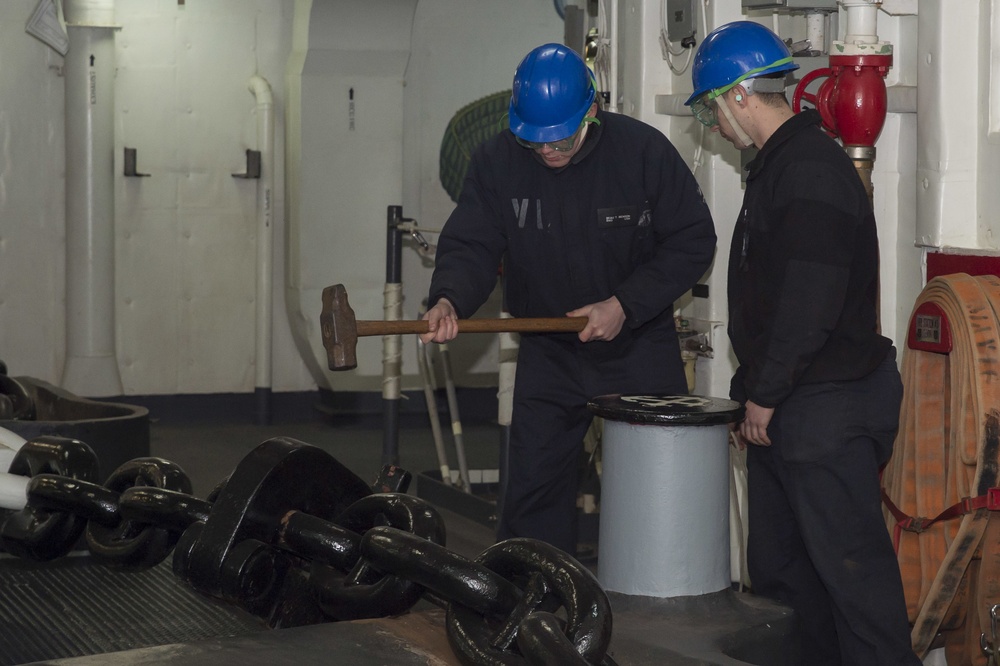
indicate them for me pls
(712, 94)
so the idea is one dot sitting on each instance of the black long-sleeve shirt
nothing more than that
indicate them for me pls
(803, 268)
(624, 218)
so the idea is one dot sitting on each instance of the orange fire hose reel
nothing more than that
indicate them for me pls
(941, 485)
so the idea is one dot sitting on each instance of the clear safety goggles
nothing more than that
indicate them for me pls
(705, 108)
(562, 145)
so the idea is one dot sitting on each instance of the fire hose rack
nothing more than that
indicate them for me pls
(941, 488)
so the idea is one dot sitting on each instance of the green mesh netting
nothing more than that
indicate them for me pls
(469, 127)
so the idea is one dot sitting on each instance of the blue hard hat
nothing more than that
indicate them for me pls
(553, 90)
(735, 52)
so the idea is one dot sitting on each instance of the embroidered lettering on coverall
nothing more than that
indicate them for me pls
(521, 211)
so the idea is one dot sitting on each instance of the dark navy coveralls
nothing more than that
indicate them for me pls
(625, 218)
(803, 281)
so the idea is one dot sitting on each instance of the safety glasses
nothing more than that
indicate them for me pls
(704, 109)
(562, 145)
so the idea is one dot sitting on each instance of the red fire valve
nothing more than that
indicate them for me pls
(852, 100)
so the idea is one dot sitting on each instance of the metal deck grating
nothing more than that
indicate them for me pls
(74, 607)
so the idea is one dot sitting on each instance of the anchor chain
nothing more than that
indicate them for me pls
(295, 538)
(16, 402)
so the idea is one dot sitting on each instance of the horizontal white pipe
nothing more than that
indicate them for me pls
(901, 99)
(96, 13)
(13, 491)
(672, 105)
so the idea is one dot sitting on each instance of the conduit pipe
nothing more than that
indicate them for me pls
(91, 367)
(265, 248)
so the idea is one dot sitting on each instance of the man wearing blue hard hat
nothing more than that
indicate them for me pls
(594, 214)
(819, 383)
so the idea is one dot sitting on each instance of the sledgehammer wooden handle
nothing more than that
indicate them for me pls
(511, 325)
(341, 330)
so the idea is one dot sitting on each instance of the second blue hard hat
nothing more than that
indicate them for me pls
(735, 52)
(552, 92)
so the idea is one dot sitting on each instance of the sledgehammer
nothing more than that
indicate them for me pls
(341, 329)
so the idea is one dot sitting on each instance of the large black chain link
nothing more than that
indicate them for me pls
(16, 402)
(295, 538)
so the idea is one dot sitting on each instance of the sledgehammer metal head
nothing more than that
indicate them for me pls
(340, 329)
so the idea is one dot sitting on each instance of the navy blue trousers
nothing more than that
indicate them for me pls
(556, 378)
(817, 539)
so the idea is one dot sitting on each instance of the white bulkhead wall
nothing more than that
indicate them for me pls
(345, 152)
(958, 135)
(187, 234)
(32, 200)
(185, 237)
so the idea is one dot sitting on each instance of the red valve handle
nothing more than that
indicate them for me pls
(820, 100)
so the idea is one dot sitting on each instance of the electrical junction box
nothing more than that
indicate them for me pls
(790, 4)
(680, 19)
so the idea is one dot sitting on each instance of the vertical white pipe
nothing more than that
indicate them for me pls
(91, 367)
(815, 31)
(265, 245)
(862, 19)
